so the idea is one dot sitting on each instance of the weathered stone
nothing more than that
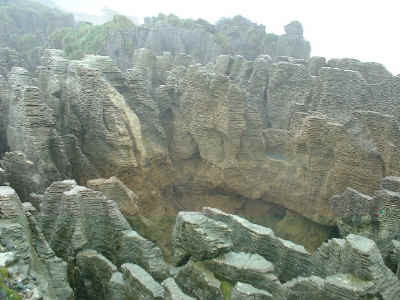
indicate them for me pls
(371, 71)
(290, 260)
(173, 292)
(246, 268)
(289, 84)
(116, 289)
(315, 64)
(116, 190)
(95, 272)
(140, 284)
(32, 257)
(197, 281)
(377, 217)
(395, 257)
(246, 291)
(134, 248)
(6, 259)
(198, 237)
(295, 28)
(3, 177)
(292, 43)
(340, 286)
(75, 218)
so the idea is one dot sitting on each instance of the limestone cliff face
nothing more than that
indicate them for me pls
(238, 134)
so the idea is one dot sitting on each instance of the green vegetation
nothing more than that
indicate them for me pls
(226, 288)
(28, 26)
(94, 39)
(6, 292)
(119, 38)
(25, 26)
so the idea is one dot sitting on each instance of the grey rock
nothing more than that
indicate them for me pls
(292, 43)
(395, 257)
(294, 28)
(197, 281)
(290, 260)
(140, 284)
(116, 190)
(134, 248)
(246, 291)
(315, 64)
(74, 218)
(372, 72)
(6, 259)
(116, 289)
(198, 237)
(340, 286)
(289, 84)
(246, 268)
(95, 273)
(377, 217)
(3, 177)
(173, 292)
(391, 183)
(32, 257)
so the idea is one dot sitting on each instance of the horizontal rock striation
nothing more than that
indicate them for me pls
(219, 255)
(350, 268)
(278, 132)
(32, 266)
(376, 217)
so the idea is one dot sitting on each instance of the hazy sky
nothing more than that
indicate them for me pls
(364, 29)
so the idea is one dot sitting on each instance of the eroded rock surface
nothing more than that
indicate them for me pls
(33, 267)
(350, 268)
(182, 135)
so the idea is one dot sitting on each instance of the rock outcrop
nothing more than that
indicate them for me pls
(33, 267)
(103, 157)
(203, 41)
(271, 268)
(376, 217)
(273, 136)
(108, 260)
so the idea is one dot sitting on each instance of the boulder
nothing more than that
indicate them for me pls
(199, 237)
(246, 291)
(197, 281)
(140, 284)
(173, 292)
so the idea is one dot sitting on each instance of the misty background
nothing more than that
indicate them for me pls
(366, 30)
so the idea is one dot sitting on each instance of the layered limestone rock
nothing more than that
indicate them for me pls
(141, 284)
(292, 42)
(350, 268)
(116, 190)
(376, 217)
(198, 237)
(199, 282)
(75, 218)
(243, 291)
(3, 177)
(277, 137)
(173, 292)
(32, 266)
